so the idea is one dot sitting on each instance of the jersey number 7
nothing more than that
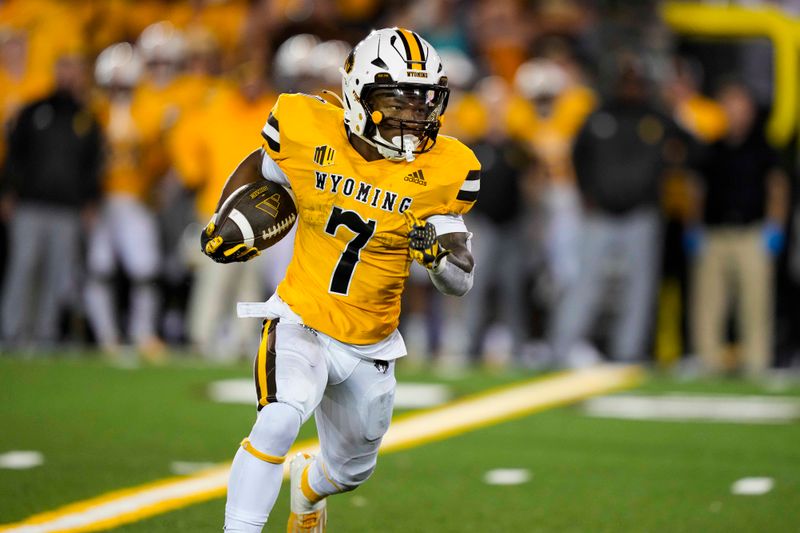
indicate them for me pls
(364, 230)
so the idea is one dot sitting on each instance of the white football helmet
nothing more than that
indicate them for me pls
(394, 80)
(161, 42)
(292, 57)
(119, 65)
(540, 78)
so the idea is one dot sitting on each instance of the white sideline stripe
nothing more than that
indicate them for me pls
(112, 509)
(697, 408)
(183, 468)
(130, 505)
(244, 226)
(461, 416)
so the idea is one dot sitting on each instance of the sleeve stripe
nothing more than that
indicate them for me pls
(272, 134)
(467, 196)
(471, 186)
(473, 175)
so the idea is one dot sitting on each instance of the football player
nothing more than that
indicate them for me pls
(376, 188)
(126, 231)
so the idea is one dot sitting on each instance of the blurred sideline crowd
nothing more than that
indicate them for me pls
(631, 207)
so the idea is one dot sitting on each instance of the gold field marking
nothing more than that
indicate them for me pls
(492, 407)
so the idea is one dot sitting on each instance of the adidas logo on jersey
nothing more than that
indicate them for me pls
(416, 177)
(323, 155)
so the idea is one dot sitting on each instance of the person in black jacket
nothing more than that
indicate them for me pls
(50, 179)
(620, 156)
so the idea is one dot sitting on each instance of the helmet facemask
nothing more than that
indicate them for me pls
(403, 119)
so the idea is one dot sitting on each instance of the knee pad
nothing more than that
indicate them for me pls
(274, 432)
(354, 473)
(376, 409)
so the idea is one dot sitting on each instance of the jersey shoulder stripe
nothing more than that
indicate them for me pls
(272, 133)
(295, 118)
(471, 187)
(460, 159)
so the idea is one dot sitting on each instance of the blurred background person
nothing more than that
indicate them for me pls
(51, 178)
(552, 108)
(21, 84)
(38, 22)
(704, 119)
(744, 202)
(163, 93)
(221, 22)
(497, 222)
(126, 231)
(619, 159)
(697, 113)
(501, 35)
(443, 23)
(304, 63)
(205, 145)
(197, 80)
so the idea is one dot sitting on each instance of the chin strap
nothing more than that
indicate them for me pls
(400, 148)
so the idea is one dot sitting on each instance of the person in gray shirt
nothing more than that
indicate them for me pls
(49, 181)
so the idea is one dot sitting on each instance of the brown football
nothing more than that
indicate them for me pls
(259, 214)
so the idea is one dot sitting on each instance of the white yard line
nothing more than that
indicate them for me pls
(507, 476)
(752, 486)
(136, 503)
(697, 408)
(406, 395)
(21, 459)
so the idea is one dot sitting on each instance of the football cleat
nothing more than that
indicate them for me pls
(305, 516)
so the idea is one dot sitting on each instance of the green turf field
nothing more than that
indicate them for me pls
(102, 428)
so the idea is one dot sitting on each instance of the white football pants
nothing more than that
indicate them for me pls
(299, 372)
(126, 231)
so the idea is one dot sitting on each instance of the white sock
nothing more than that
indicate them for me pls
(254, 484)
(100, 309)
(143, 311)
(252, 490)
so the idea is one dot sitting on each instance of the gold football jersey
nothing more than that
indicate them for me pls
(351, 256)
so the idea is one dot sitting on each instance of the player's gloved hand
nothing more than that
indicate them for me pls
(423, 244)
(214, 247)
(773, 238)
